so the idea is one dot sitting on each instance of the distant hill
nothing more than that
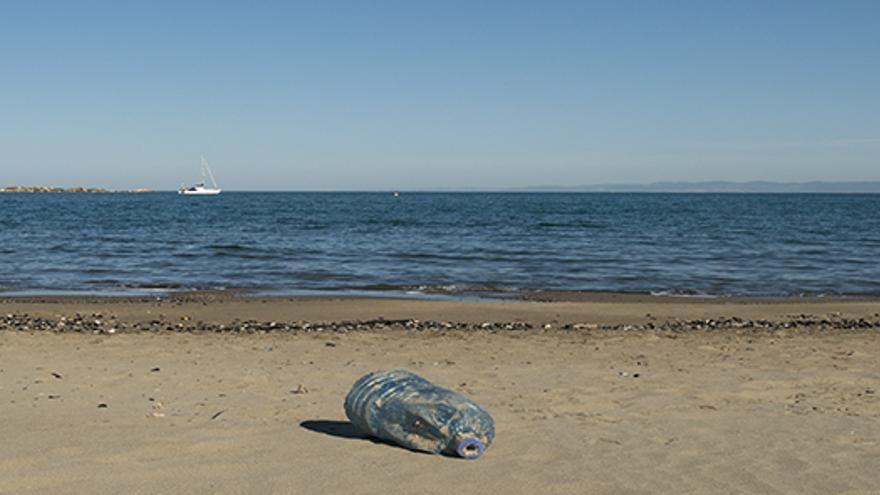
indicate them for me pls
(718, 187)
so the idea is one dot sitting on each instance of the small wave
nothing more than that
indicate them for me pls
(61, 248)
(384, 222)
(246, 256)
(227, 246)
(157, 285)
(384, 287)
(440, 257)
(236, 251)
(451, 289)
(97, 270)
(807, 294)
(305, 223)
(570, 225)
(683, 293)
(118, 240)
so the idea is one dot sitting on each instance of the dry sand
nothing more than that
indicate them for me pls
(790, 411)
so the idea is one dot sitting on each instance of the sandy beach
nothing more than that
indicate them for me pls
(591, 393)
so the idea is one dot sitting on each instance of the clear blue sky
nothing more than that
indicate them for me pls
(412, 94)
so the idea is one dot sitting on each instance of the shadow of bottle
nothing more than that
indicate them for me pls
(341, 429)
(344, 429)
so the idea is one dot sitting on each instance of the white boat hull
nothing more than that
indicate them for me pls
(200, 192)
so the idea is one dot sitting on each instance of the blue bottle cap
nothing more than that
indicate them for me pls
(470, 448)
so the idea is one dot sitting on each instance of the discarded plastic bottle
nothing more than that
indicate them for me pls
(404, 408)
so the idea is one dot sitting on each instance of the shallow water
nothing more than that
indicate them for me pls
(716, 244)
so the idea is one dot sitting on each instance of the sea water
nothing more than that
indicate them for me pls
(450, 243)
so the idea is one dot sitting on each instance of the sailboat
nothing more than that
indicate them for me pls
(201, 189)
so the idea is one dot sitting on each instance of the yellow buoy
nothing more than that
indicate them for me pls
(396, 194)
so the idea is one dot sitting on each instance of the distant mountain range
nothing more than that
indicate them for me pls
(717, 187)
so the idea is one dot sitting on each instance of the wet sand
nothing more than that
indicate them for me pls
(604, 406)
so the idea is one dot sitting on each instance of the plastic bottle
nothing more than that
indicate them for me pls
(404, 408)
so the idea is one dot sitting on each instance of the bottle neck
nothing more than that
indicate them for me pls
(469, 448)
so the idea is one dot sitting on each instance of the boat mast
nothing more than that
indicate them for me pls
(205, 168)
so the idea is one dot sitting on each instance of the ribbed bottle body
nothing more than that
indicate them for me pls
(404, 408)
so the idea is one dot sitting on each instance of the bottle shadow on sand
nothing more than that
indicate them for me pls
(344, 429)
(341, 429)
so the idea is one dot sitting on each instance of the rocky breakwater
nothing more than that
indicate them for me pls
(48, 189)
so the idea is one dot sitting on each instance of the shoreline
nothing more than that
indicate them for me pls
(558, 310)
(10, 294)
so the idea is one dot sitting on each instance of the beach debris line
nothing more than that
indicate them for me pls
(403, 408)
(107, 325)
(99, 324)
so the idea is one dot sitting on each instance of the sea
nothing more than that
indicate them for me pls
(441, 244)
